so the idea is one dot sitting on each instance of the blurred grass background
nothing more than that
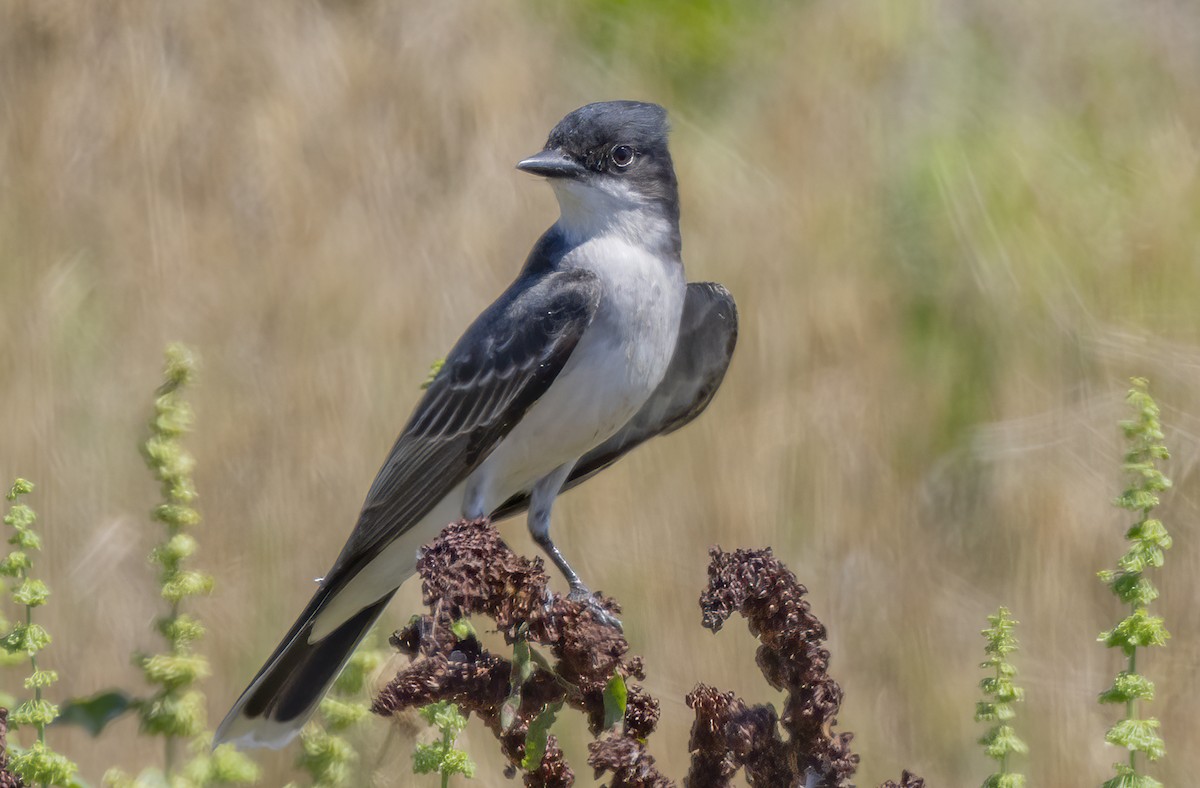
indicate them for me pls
(954, 229)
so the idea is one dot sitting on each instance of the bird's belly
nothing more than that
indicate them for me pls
(616, 366)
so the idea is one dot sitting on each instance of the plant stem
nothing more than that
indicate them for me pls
(37, 690)
(1004, 757)
(169, 740)
(447, 742)
(1130, 707)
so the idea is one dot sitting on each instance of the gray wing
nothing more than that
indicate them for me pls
(707, 335)
(502, 365)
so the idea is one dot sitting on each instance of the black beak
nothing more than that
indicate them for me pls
(552, 163)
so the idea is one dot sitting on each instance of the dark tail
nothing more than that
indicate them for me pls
(287, 690)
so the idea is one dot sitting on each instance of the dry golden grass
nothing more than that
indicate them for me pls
(953, 230)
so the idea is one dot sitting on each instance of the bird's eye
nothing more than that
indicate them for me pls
(622, 156)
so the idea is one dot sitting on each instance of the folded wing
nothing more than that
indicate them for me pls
(496, 372)
(707, 335)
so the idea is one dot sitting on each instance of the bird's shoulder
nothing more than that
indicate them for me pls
(518, 343)
(547, 254)
(504, 362)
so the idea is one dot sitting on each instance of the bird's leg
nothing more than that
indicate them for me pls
(541, 501)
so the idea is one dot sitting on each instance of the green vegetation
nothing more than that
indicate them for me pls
(1148, 541)
(36, 764)
(441, 756)
(327, 755)
(695, 49)
(1000, 693)
(175, 710)
(954, 230)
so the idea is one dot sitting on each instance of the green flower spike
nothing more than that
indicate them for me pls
(1148, 541)
(37, 765)
(1000, 693)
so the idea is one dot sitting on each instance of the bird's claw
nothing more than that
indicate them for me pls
(583, 596)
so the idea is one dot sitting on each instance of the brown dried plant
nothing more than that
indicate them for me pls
(7, 778)
(469, 571)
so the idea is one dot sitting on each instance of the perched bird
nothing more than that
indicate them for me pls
(598, 345)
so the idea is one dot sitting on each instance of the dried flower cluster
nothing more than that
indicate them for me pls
(7, 778)
(468, 571)
(728, 734)
(907, 780)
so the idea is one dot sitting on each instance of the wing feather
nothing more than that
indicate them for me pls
(707, 336)
(502, 365)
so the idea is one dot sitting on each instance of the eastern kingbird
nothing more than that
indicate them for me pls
(597, 346)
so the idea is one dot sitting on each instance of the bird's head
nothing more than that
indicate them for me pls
(607, 160)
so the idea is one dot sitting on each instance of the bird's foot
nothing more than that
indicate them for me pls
(581, 594)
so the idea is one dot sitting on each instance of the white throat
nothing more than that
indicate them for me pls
(591, 211)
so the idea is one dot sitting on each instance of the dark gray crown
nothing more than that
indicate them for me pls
(589, 134)
(606, 123)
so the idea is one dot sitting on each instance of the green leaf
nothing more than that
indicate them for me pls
(441, 756)
(1126, 687)
(538, 735)
(987, 711)
(458, 762)
(185, 584)
(41, 765)
(463, 630)
(365, 661)
(340, 715)
(1128, 778)
(427, 758)
(177, 548)
(1131, 588)
(148, 778)
(177, 514)
(1002, 689)
(434, 369)
(40, 679)
(1137, 629)
(30, 593)
(94, 713)
(444, 716)
(20, 487)
(522, 669)
(20, 517)
(1138, 736)
(222, 766)
(27, 639)
(14, 564)
(448, 719)
(169, 714)
(1005, 781)
(174, 671)
(615, 697)
(1002, 741)
(34, 712)
(181, 629)
(24, 539)
(325, 756)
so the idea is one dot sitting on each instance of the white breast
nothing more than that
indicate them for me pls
(618, 362)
